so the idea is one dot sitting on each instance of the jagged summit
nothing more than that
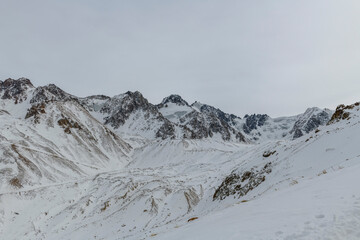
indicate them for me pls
(50, 92)
(131, 94)
(130, 113)
(15, 89)
(21, 81)
(174, 98)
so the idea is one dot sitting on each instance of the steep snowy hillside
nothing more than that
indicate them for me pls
(46, 141)
(183, 173)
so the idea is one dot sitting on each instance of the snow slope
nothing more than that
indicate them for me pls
(64, 142)
(310, 193)
(322, 208)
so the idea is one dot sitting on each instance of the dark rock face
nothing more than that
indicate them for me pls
(254, 121)
(196, 124)
(50, 93)
(297, 133)
(206, 126)
(166, 130)
(220, 122)
(309, 121)
(119, 109)
(240, 137)
(315, 121)
(241, 183)
(209, 121)
(15, 89)
(174, 98)
(228, 118)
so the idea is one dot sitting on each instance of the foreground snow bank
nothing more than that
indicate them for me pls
(325, 207)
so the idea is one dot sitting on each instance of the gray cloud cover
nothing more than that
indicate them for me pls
(277, 57)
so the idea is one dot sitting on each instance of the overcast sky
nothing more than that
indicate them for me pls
(276, 57)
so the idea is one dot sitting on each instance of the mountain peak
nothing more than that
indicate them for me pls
(15, 89)
(50, 92)
(310, 120)
(174, 98)
(21, 81)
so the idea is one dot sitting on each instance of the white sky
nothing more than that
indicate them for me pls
(257, 56)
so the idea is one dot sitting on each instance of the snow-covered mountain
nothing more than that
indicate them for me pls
(203, 121)
(261, 127)
(120, 167)
(130, 114)
(47, 137)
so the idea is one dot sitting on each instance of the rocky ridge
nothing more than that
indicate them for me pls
(174, 118)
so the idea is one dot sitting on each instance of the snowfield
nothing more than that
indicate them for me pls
(66, 175)
(326, 207)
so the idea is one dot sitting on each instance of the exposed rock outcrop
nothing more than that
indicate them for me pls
(239, 184)
(342, 112)
(254, 121)
(309, 121)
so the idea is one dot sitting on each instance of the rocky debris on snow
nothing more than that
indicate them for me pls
(241, 183)
(35, 112)
(192, 219)
(67, 124)
(16, 182)
(268, 153)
